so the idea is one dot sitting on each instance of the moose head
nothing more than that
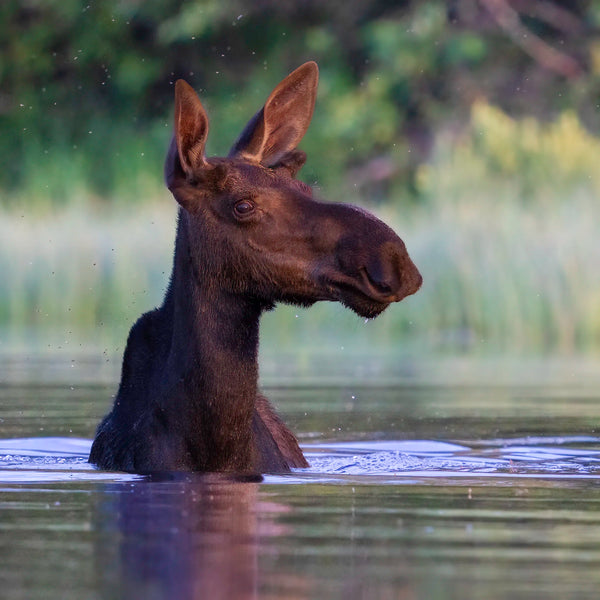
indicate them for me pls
(257, 230)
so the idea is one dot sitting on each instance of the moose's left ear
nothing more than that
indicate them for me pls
(186, 153)
(278, 127)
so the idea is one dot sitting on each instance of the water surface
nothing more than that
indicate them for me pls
(430, 481)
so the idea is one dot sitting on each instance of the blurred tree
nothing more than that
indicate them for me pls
(98, 76)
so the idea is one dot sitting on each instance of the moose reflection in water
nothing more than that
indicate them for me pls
(249, 235)
(181, 538)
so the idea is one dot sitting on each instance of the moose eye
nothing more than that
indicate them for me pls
(243, 208)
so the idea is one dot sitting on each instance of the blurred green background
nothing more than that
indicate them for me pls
(471, 126)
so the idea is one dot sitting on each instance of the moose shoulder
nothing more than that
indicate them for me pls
(249, 235)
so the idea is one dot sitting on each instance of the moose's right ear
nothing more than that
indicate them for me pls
(186, 152)
(278, 127)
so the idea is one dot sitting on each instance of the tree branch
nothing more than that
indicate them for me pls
(550, 58)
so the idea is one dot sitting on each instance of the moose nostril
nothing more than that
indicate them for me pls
(386, 269)
(384, 283)
(383, 287)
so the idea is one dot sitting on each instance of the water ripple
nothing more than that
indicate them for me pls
(27, 460)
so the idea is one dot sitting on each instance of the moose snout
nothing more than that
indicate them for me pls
(391, 273)
(371, 266)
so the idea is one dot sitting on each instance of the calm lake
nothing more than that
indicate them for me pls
(448, 479)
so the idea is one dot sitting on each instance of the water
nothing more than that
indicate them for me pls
(441, 480)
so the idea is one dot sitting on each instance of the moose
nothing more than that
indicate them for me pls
(249, 235)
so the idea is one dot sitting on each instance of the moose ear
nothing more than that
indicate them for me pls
(186, 152)
(278, 127)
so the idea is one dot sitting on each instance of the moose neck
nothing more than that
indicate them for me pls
(213, 361)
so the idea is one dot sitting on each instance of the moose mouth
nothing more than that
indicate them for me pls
(360, 294)
(363, 306)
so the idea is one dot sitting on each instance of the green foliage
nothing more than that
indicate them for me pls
(392, 74)
(529, 160)
(117, 166)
